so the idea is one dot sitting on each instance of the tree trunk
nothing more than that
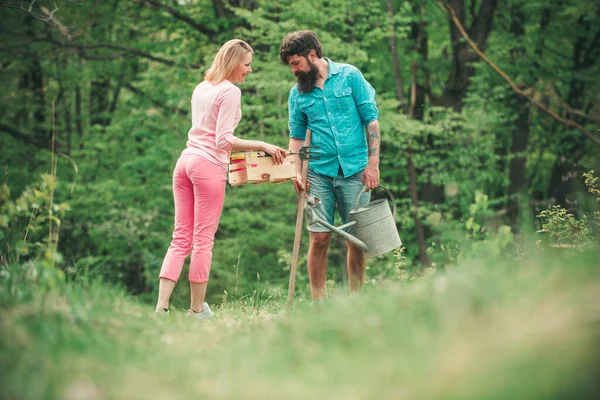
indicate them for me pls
(517, 170)
(37, 87)
(566, 174)
(33, 80)
(99, 107)
(63, 100)
(429, 192)
(414, 197)
(461, 71)
(415, 110)
(21, 115)
(219, 8)
(419, 35)
(395, 60)
(78, 116)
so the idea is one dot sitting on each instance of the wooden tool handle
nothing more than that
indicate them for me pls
(299, 220)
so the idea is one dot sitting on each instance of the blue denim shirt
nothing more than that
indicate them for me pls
(337, 116)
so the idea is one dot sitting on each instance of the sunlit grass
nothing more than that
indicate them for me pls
(483, 330)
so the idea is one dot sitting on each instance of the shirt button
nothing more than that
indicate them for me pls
(325, 98)
(339, 156)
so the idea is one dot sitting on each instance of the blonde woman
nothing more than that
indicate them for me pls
(200, 173)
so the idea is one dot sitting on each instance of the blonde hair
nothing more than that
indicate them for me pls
(230, 55)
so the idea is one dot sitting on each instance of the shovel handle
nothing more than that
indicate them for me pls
(298, 232)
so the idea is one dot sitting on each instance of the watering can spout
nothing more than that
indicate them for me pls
(311, 218)
(375, 226)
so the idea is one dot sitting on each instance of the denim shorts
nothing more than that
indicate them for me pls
(335, 193)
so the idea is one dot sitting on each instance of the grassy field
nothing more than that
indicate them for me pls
(483, 330)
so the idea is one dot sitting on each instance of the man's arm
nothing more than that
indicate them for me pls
(373, 139)
(370, 176)
(364, 98)
(294, 146)
(297, 125)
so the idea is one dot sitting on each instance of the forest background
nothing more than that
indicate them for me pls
(489, 114)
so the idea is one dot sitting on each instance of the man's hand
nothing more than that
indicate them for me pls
(370, 177)
(298, 185)
(295, 146)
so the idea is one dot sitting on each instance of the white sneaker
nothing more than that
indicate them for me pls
(206, 313)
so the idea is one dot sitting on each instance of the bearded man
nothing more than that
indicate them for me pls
(337, 104)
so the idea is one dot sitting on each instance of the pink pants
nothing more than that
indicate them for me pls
(199, 193)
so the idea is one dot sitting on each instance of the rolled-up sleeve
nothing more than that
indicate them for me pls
(364, 97)
(297, 122)
(229, 102)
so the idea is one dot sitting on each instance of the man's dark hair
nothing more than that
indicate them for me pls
(299, 43)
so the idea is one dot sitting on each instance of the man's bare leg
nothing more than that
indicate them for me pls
(317, 263)
(356, 267)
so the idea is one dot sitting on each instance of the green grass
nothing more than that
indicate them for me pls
(483, 330)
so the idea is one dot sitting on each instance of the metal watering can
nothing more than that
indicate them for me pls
(376, 231)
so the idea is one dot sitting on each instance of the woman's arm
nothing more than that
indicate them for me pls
(276, 152)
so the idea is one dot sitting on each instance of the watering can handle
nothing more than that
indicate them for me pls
(389, 194)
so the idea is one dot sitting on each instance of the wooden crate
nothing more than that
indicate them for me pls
(237, 169)
(257, 167)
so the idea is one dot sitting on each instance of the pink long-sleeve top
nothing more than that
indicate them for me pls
(216, 112)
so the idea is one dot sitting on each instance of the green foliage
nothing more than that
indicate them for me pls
(478, 235)
(591, 182)
(115, 98)
(30, 226)
(120, 88)
(566, 230)
(563, 227)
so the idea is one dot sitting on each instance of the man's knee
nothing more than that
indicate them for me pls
(353, 248)
(320, 240)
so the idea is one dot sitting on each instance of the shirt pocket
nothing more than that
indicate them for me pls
(343, 99)
(310, 109)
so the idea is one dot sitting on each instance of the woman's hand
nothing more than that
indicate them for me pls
(276, 152)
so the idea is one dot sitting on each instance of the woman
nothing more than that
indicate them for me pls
(200, 174)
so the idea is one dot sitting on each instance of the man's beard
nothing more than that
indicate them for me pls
(307, 80)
